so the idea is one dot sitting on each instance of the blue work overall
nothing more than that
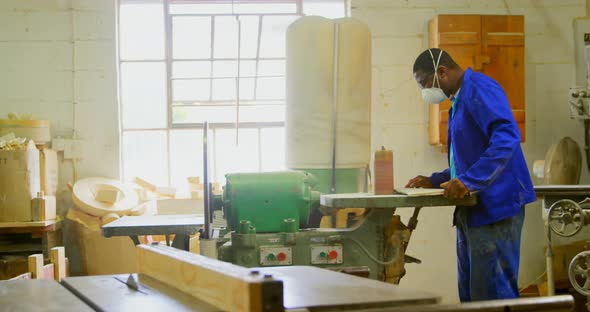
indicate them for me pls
(485, 154)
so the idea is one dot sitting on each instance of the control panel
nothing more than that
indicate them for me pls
(270, 256)
(329, 254)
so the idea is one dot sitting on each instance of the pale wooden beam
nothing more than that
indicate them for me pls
(224, 285)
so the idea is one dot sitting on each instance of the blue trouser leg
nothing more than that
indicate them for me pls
(463, 265)
(487, 258)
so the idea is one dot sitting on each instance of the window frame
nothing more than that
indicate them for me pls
(168, 61)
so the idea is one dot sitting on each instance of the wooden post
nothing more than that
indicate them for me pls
(58, 259)
(36, 266)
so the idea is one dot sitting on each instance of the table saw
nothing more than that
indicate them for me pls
(176, 280)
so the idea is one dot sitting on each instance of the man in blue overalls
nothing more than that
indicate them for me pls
(485, 157)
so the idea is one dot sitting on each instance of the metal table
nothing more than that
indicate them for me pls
(303, 288)
(38, 295)
(549, 194)
(111, 293)
(182, 226)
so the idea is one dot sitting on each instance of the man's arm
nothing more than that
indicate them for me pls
(439, 178)
(491, 112)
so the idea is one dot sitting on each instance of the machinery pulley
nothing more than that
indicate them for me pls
(566, 217)
(579, 273)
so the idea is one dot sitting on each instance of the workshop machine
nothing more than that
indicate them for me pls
(267, 225)
(568, 206)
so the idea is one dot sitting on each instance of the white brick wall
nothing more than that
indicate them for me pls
(399, 30)
(58, 59)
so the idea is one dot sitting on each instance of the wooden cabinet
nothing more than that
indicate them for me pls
(491, 44)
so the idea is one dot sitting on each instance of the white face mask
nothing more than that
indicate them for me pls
(434, 95)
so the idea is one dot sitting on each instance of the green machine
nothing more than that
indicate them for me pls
(267, 225)
(266, 200)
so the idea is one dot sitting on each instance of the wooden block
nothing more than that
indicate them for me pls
(36, 266)
(107, 195)
(48, 272)
(43, 208)
(109, 218)
(58, 259)
(145, 184)
(383, 172)
(166, 191)
(224, 285)
(48, 208)
(194, 180)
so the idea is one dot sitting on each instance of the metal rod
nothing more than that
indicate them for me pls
(335, 105)
(206, 185)
(549, 261)
(238, 79)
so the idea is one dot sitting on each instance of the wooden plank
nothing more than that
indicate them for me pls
(224, 285)
(58, 259)
(458, 38)
(420, 191)
(20, 247)
(505, 39)
(48, 272)
(36, 266)
(33, 224)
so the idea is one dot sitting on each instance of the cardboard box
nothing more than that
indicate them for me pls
(19, 183)
(92, 254)
(49, 171)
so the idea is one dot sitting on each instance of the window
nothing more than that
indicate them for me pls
(186, 62)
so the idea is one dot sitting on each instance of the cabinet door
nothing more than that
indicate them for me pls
(503, 53)
(460, 36)
(492, 44)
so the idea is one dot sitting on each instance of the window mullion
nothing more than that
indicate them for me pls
(212, 57)
(169, 96)
(259, 149)
(257, 55)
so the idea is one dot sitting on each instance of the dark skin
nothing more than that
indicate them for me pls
(449, 80)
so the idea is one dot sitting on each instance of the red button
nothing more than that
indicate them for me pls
(333, 255)
(281, 256)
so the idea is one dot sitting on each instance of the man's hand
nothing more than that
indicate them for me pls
(421, 182)
(455, 189)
